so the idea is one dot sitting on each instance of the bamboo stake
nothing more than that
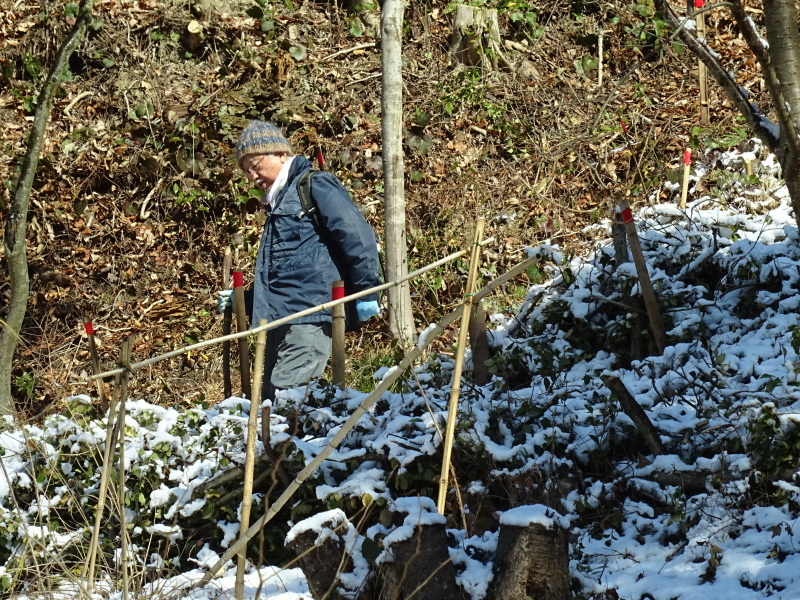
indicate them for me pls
(125, 361)
(241, 326)
(705, 118)
(250, 460)
(687, 165)
(412, 355)
(648, 293)
(102, 492)
(227, 317)
(337, 333)
(452, 410)
(101, 392)
(302, 313)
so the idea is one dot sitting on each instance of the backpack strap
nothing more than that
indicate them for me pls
(307, 203)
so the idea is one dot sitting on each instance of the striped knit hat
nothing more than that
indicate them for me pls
(260, 137)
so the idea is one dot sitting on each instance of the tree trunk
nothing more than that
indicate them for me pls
(531, 563)
(17, 220)
(780, 17)
(401, 319)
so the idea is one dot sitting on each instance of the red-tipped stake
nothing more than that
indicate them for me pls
(320, 159)
(648, 293)
(241, 325)
(95, 364)
(687, 164)
(337, 329)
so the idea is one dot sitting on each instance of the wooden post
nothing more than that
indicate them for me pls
(250, 459)
(241, 325)
(687, 165)
(648, 293)
(452, 409)
(101, 392)
(480, 346)
(337, 331)
(227, 317)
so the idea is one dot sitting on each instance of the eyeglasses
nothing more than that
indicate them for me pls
(254, 166)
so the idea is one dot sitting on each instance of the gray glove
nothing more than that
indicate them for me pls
(225, 300)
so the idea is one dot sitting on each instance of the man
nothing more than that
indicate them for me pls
(300, 257)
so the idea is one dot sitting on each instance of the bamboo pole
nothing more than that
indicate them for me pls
(702, 72)
(687, 165)
(101, 392)
(241, 326)
(103, 491)
(455, 389)
(250, 460)
(302, 313)
(393, 375)
(227, 317)
(646, 285)
(337, 333)
(125, 361)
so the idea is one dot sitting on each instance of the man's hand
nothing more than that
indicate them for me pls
(367, 309)
(226, 300)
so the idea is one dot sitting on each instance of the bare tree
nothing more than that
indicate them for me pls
(17, 220)
(779, 57)
(401, 320)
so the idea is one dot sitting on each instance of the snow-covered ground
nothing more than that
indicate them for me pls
(716, 515)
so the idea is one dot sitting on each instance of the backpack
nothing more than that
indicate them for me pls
(309, 208)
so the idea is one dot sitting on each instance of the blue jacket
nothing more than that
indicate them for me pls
(297, 264)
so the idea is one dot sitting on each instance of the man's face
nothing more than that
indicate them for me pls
(263, 169)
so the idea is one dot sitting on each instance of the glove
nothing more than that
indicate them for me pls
(225, 300)
(366, 309)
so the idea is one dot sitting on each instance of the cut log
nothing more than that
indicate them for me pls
(636, 413)
(531, 561)
(321, 547)
(417, 565)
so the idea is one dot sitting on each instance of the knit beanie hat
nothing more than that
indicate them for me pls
(260, 137)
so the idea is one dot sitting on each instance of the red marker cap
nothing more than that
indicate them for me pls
(337, 292)
(320, 158)
(88, 327)
(687, 157)
(238, 279)
(627, 216)
(699, 3)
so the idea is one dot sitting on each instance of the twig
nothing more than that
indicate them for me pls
(348, 50)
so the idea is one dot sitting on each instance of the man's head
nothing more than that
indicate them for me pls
(261, 151)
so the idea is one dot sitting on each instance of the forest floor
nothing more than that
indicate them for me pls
(137, 194)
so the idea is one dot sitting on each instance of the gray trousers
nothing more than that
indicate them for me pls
(294, 355)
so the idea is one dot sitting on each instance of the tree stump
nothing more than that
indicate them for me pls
(476, 37)
(416, 560)
(321, 546)
(531, 561)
